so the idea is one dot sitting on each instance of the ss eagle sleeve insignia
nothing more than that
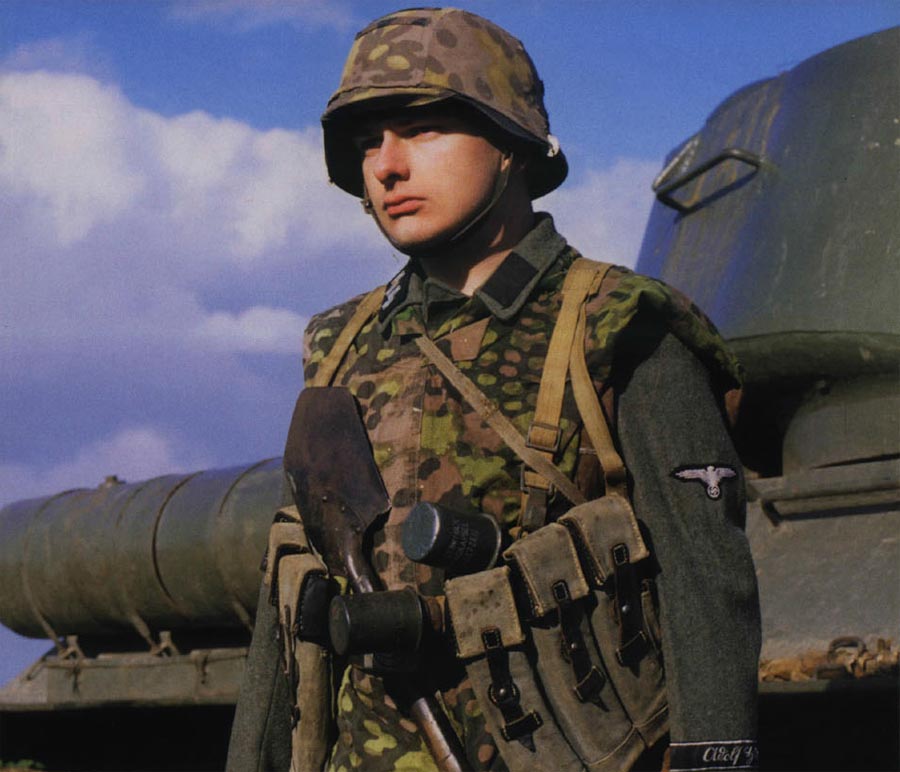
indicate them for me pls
(711, 476)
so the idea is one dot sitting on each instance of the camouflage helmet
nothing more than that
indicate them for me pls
(425, 55)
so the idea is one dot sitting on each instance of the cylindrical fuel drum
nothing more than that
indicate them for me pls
(180, 551)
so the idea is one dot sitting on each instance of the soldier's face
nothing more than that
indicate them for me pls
(427, 174)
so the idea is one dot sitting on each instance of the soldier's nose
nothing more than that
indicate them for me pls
(391, 161)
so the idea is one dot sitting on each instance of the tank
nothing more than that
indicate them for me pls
(779, 218)
(147, 592)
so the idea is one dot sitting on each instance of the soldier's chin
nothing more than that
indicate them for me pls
(419, 244)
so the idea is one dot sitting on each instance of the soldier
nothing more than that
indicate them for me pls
(439, 127)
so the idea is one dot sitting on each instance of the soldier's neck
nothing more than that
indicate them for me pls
(468, 264)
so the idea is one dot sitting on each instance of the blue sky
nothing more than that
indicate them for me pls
(168, 228)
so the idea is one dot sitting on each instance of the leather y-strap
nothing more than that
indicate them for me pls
(591, 413)
(566, 354)
(332, 361)
(537, 450)
(545, 433)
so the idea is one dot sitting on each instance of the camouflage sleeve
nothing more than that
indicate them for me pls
(627, 299)
(688, 493)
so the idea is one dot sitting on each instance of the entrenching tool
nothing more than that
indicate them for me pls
(339, 491)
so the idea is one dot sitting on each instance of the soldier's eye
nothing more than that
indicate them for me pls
(422, 127)
(367, 142)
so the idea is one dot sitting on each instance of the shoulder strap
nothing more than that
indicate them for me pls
(545, 432)
(592, 414)
(332, 361)
(565, 354)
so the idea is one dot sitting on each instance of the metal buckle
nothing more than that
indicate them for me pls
(526, 488)
(557, 433)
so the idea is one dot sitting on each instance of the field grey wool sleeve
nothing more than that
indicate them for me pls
(688, 493)
(261, 733)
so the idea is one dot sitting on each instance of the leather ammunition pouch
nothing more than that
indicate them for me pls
(568, 629)
(299, 587)
(492, 642)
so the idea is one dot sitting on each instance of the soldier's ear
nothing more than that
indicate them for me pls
(366, 201)
(519, 162)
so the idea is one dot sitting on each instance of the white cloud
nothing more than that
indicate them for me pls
(256, 330)
(196, 152)
(132, 454)
(251, 191)
(117, 218)
(142, 258)
(604, 215)
(76, 154)
(64, 145)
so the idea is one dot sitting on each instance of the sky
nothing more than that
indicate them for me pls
(167, 227)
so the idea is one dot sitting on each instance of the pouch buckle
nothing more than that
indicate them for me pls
(629, 612)
(503, 692)
(540, 442)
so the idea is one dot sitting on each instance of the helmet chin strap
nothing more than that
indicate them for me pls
(501, 181)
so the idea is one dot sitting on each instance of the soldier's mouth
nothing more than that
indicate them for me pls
(396, 207)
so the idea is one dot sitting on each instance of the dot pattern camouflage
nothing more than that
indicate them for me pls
(372, 735)
(433, 54)
(430, 445)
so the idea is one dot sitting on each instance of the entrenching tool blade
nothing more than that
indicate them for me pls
(336, 485)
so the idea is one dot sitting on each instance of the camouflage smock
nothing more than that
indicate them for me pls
(430, 445)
